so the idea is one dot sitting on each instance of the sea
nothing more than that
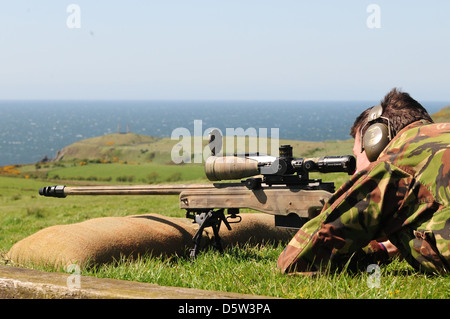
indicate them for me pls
(32, 130)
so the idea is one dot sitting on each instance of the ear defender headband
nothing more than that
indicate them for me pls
(377, 136)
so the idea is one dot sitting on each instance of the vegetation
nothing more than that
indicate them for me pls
(250, 270)
(443, 116)
(122, 159)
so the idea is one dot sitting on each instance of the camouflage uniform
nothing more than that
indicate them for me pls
(403, 196)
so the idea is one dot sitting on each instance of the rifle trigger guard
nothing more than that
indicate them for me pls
(239, 217)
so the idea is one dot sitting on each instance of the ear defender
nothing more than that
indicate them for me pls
(377, 136)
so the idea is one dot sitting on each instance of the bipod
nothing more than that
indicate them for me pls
(213, 219)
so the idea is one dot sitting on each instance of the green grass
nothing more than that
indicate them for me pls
(113, 172)
(249, 270)
(133, 148)
(443, 116)
(23, 211)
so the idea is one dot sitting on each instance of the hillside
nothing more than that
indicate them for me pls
(442, 116)
(110, 148)
(135, 148)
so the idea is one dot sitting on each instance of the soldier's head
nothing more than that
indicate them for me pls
(399, 108)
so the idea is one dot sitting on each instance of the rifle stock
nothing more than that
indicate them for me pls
(303, 201)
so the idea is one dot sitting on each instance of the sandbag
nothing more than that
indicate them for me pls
(105, 239)
(253, 229)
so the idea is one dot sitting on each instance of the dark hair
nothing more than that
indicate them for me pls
(401, 110)
(359, 122)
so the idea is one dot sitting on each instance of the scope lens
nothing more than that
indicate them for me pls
(331, 164)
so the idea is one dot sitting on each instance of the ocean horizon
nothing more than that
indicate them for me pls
(33, 129)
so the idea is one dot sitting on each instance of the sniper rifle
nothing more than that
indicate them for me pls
(274, 185)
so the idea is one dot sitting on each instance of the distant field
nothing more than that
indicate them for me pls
(133, 148)
(143, 173)
(137, 159)
(443, 116)
(23, 211)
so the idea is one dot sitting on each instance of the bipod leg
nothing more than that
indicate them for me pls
(199, 219)
(208, 219)
(216, 227)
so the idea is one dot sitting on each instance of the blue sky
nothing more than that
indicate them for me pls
(235, 50)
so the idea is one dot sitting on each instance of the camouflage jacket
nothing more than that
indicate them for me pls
(403, 196)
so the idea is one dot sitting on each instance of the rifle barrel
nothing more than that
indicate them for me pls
(63, 191)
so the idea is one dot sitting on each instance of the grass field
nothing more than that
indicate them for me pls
(249, 270)
(143, 173)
